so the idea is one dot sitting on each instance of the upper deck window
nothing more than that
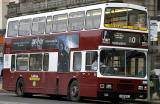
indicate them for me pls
(38, 25)
(137, 18)
(12, 28)
(25, 27)
(60, 23)
(125, 18)
(93, 19)
(76, 21)
(49, 24)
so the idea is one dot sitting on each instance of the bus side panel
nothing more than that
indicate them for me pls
(49, 82)
(90, 40)
(8, 82)
(88, 84)
(62, 84)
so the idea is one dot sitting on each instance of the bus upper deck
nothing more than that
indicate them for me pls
(118, 16)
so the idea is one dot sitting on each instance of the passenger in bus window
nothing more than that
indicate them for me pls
(95, 65)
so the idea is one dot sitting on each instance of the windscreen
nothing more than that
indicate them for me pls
(125, 18)
(116, 62)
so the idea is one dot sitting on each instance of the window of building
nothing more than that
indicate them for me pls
(77, 61)
(12, 28)
(158, 5)
(13, 63)
(45, 62)
(22, 62)
(76, 21)
(60, 23)
(35, 62)
(24, 27)
(93, 19)
(38, 25)
(49, 24)
(91, 61)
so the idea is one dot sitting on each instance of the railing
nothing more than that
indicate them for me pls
(31, 7)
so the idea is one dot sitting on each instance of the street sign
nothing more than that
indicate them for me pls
(1, 39)
(159, 26)
(153, 30)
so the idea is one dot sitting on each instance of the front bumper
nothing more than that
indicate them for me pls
(111, 95)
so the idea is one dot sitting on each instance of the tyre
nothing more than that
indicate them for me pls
(74, 91)
(20, 87)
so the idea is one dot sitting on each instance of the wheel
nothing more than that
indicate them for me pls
(20, 87)
(74, 91)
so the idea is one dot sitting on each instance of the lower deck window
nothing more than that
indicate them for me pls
(117, 62)
(45, 62)
(77, 60)
(35, 62)
(91, 61)
(22, 62)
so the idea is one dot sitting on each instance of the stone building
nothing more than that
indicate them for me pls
(23, 7)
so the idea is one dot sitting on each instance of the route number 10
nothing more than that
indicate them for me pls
(132, 39)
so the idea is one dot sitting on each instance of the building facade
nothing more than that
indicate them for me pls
(23, 7)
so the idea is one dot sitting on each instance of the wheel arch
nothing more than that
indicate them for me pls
(18, 80)
(73, 79)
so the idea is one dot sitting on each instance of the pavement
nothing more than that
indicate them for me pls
(2, 90)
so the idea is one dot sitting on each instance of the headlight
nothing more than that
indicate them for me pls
(140, 87)
(109, 86)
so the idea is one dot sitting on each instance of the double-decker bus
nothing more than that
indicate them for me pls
(97, 51)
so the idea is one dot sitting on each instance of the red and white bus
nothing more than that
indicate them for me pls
(92, 51)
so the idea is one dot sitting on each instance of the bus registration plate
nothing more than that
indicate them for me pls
(124, 96)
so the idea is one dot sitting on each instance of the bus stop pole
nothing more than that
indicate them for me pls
(148, 65)
(148, 77)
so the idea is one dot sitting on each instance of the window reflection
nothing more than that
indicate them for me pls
(122, 63)
(123, 17)
(22, 62)
(35, 62)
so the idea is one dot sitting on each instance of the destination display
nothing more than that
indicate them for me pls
(124, 38)
(47, 42)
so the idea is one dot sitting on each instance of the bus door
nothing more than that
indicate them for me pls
(50, 62)
(12, 73)
(63, 69)
(89, 76)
